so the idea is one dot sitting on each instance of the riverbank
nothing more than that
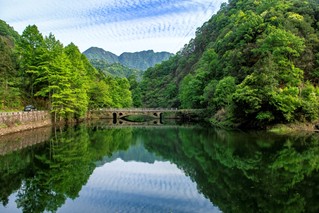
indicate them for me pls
(20, 121)
(12, 122)
(293, 127)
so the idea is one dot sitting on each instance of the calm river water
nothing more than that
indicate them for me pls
(96, 167)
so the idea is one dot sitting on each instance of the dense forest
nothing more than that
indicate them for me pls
(254, 63)
(39, 70)
(115, 69)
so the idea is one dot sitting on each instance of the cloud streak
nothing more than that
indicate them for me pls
(114, 25)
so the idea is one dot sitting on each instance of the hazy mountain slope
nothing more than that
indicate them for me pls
(95, 53)
(138, 60)
(144, 59)
(116, 69)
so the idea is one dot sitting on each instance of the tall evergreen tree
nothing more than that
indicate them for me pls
(33, 59)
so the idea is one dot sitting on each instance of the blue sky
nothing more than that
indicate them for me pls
(114, 25)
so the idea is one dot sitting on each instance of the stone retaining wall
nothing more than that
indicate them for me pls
(11, 122)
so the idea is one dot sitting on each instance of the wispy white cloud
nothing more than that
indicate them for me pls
(115, 25)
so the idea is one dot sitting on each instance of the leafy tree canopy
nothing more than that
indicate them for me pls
(252, 59)
(39, 70)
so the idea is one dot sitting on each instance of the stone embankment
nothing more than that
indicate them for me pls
(11, 122)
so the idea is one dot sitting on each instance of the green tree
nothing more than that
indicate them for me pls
(33, 59)
(268, 47)
(80, 81)
(63, 97)
(223, 94)
(9, 80)
(309, 102)
(135, 89)
(100, 95)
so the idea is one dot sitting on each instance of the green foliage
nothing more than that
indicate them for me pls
(281, 43)
(247, 98)
(193, 85)
(271, 173)
(209, 93)
(41, 71)
(269, 48)
(190, 92)
(286, 101)
(8, 31)
(127, 65)
(100, 95)
(158, 89)
(33, 59)
(9, 80)
(116, 69)
(135, 88)
(122, 95)
(224, 92)
(310, 102)
(44, 177)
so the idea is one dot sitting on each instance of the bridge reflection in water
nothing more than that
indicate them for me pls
(118, 116)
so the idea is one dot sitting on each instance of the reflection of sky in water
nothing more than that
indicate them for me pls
(139, 187)
(12, 206)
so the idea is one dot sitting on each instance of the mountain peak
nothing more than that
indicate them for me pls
(138, 60)
(97, 53)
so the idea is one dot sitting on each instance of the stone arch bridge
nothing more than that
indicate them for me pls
(113, 113)
(158, 114)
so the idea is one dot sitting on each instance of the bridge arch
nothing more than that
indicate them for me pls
(117, 114)
(114, 117)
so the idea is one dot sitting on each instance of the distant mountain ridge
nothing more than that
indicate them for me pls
(96, 53)
(137, 60)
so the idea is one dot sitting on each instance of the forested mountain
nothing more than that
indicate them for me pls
(116, 69)
(138, 60)
(41, 71)
(95, 53)
(253, 63)
(144, 59)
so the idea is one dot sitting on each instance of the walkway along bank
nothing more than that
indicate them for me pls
(11, 122)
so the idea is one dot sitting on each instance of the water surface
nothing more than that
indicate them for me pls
(102, 168)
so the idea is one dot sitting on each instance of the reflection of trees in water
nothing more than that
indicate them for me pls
(14, 165)
(58, 169)
(13, 168)
(238, 172)
(245, 172)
